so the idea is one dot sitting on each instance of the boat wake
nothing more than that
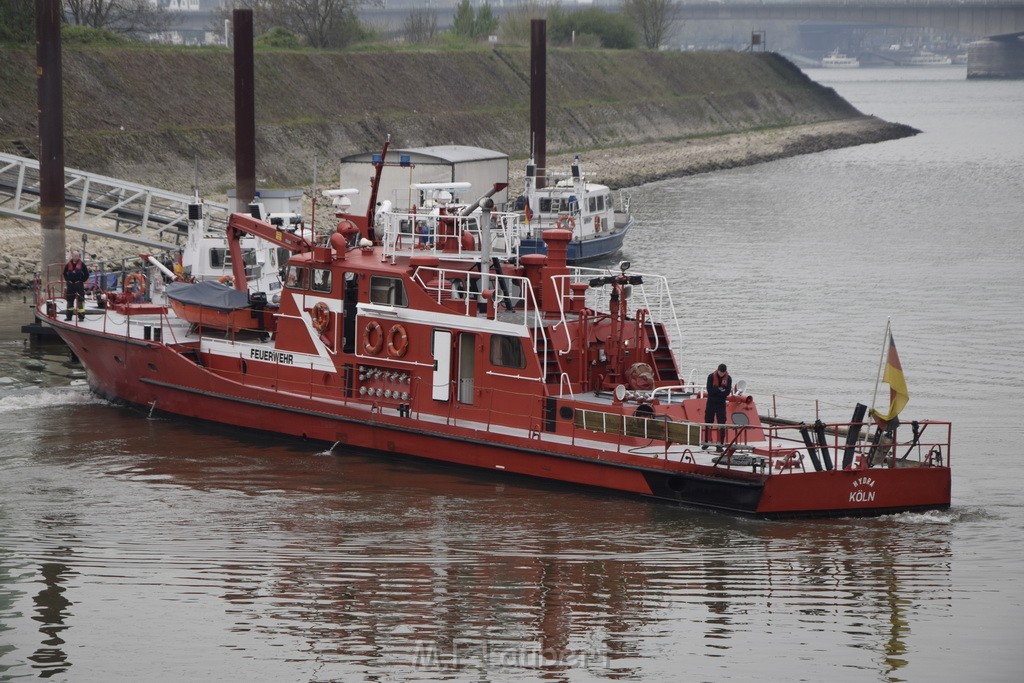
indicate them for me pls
(951, 516)
(34, 398)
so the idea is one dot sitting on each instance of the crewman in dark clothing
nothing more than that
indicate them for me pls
(76, 274)
(719, 388)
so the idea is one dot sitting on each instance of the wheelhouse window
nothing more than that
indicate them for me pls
(221, 258)
(295, 278)
(387, 290)
(507, 352)
(321, 281)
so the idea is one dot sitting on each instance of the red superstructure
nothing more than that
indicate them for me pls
(429, 346)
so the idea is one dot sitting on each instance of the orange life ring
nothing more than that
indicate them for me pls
(398, 341)
(597, 224)
(226, 280)
(321, 317)
(566, 220)
(135, 286)
(373, 337)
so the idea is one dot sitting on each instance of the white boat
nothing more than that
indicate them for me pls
(572, 203)
(205, 256)
(837, 60)
(927, 59)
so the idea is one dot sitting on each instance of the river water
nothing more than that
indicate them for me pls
(143, 548)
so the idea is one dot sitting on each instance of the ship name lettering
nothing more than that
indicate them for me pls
(862, 496)
(272, 356)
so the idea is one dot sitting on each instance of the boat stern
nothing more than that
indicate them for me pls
(857, 492)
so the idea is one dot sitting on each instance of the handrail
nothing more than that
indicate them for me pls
(775, 444)
(104, 206)
(407, 233)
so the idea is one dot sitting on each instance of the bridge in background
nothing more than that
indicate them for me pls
(977, 19)
(1000, 22)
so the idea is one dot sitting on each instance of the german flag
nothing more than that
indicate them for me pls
(893, 376)
(529, 212)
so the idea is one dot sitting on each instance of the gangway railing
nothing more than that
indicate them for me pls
(106, 207)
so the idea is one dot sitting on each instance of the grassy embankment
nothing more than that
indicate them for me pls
(146, 113)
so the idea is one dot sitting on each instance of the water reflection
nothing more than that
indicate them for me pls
(356, 566)
(364, 565)
(52, 607)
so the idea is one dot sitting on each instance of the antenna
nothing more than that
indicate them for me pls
(195, 182)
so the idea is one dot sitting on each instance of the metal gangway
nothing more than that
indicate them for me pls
(106, 207)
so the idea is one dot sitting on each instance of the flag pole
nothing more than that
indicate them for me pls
(881, 361)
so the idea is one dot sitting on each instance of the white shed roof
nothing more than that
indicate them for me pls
(450, 154)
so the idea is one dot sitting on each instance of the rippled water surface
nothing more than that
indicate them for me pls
(144, 548)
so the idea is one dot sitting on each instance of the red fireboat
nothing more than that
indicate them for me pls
(429, 336)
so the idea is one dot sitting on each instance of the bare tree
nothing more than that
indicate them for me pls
(420, 25)
(130, 17)
(515, 26)
(653, 18)
(319, 23)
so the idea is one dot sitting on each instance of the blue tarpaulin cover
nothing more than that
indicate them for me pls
(209, 294)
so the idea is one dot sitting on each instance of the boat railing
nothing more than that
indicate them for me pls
(625, 200)
(462, 290)
(652, 295)
(451, 237)
(674, 394)
(775, 448)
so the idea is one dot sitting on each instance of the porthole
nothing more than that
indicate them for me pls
(644, 410)
(740, 419)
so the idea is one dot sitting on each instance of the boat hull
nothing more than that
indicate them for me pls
(580, 250)
(166, 379)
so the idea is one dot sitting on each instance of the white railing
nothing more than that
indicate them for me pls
(458, 238)
(652, 294)
(514, 302)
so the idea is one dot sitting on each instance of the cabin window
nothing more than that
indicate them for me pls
(600, 202)
(507, 352)
(295, 277)
(592, 204)
(221, 258)
(321, 280)
(387, 290)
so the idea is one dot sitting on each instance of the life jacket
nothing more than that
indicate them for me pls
(74, 271)
(719, 381)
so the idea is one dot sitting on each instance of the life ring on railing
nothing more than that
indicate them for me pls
(226, 280)
(398, 341)
(565, 222)
(373, 337)
(321, 316)
(135, 286)
(597, 224)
